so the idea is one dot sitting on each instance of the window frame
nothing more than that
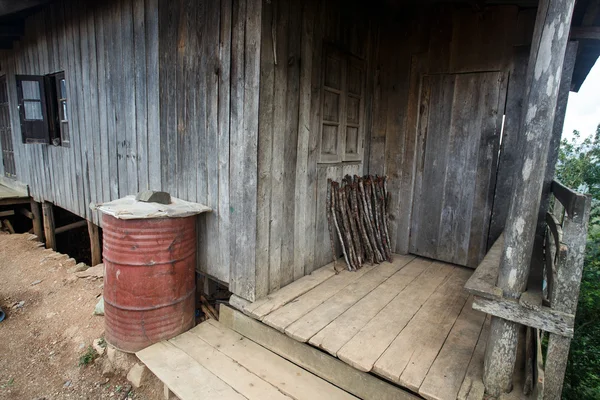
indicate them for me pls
(52, 129)
(347, 61)
(33, 131)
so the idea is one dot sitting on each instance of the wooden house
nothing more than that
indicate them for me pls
(249, 106)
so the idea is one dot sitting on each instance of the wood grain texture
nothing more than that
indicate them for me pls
(318, 318)
(276, 300)
(240, 379)
(360, 384)
(441, 310)
(447, 373)
(365, 348)
(287, 377)
(281, 318)
(335, 335)
(546, 319)
(183, 376)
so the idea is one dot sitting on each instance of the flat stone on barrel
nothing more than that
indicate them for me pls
(151, 196)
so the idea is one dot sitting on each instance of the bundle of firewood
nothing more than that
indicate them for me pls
(357, 214)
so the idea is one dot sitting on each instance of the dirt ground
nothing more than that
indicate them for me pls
(49, 325)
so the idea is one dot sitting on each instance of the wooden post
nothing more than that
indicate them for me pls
(38, 227)
(565, 296)
(543, 78)
(94, 243)
(48, 214)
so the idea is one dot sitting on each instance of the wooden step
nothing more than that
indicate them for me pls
(214, 362)
(361, 384)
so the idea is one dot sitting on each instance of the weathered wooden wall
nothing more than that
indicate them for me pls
(109, 53)
(291, 228)
(399, 46)
(162, 94)
(439, 40)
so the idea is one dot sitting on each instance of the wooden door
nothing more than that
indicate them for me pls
(459, 134)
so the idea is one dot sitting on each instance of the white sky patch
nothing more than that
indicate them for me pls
(583, 108)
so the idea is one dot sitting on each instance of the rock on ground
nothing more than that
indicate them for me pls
(136, 375)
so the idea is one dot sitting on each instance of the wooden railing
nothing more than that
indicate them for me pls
(546, 307)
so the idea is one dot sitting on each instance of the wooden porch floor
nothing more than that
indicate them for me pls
(409, 322)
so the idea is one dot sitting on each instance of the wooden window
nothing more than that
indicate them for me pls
(32, 109)
(342, 107)
(43, 109)
(58, 112)
(8, 155)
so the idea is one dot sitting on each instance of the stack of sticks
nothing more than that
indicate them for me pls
(357, 214)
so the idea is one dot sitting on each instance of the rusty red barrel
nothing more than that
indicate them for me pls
(149, 283)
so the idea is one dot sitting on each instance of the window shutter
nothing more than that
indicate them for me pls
(354, 124)
(32, 109)
(332, 106)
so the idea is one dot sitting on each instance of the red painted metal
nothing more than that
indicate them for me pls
(149, 284)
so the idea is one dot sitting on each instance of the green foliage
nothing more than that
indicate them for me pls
(579, 168)
(88, 357)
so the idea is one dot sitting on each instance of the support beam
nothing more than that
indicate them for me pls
(66, 228)
(585, 32)
(95, 245)
(38, 228)
(48, 213)
(565, 296)
(543, 80)
(7, 213)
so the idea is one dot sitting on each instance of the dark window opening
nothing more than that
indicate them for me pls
(43, 109)
(6, 141)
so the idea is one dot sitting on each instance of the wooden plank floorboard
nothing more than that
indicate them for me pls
(363, 350)
(184, 376)
(343, 328)
(287, 377)
(311, 323)
(472, 385)
(291, 312)
(409, 357)
(275, 300)
(239, 378)
(361, 384)
(445, 377)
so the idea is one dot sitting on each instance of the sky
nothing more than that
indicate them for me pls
(583, 108)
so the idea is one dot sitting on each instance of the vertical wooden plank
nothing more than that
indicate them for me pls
(187, 177)
(128, 98)
(487, 166)
(416, 128)
(101, 66)
(168, 22)
(265, 139)
(48, 213)
(152, 93)
(281, 13)
(301, 196)
(251, 95)
(38, 226)
(314, 139)
(289, 271)
(223, 141)
(245, 91)
(215, 265)
(435, 156)
(95, 244)
(509, 150)
(110, 78)
(141, 111)
(95, 133)
(75, 99)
